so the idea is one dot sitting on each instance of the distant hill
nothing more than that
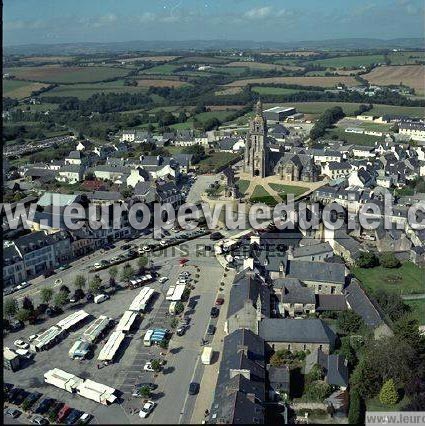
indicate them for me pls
(205, 45)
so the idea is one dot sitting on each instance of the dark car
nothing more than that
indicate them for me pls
(16, 325)
(73, 416)
(48, 274)
(192, 303)
(12, 394)
(181, 330)
(89, 297)
(44, 406)
(125, 247)
(20, 397)
(216, 236)
(54, 409)
(32, 398)
(193, 388)
(211, 329)
(214, 312)
(8, 290)
(7, 387)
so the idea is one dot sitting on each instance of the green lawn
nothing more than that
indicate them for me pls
(418, 309)
(354, 138)
(243, 185)
(220, 115)
(349, 61)
(215, 161)
(319, 107)
(261, 195)
(402, 58)
(283, 190)
(375, 405)
(269, 90)
(408, 279)
(18, 89)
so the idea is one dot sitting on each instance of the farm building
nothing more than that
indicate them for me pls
(278, 113)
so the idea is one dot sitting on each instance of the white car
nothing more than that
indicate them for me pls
(21, 344)
(32, 337)
(114, 259)
(22, 285)
(163, 242)
(147, 408)
(163, 279)
(146, 248)
(184, 274)
(148, 367)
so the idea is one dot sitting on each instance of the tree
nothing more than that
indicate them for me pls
(179, 308)
(357, 410)
(64, 289)
(318, 390)
(156, 365)
(367, 260)
(28, 304)
(23, 315)
(60, 299)
(80, 281)
(391, 304)
(388, 260)
(347, 350)
(113, 273)
(144, 391)
(407, 328)
(388, 394)
(349, 321)
(142, 262)
(127, 272)
(10, 307)
(95, 284)
(46, 294)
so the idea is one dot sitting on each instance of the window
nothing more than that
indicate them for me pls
(319, 288)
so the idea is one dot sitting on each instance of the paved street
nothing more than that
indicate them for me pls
(183, 355)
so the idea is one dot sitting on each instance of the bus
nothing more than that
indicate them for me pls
(147, 338)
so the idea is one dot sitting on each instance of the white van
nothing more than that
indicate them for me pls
(101, 298)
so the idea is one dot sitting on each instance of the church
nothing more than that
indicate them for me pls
(260, 161)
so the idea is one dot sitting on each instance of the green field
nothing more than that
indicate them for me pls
(201, 60)
(375, 405)
(220, 115)
(418, 309)
(402, 58)
(394, 109)
(270, 90)
(58, 74)
(349, 61)
(354, 138)
(165, 69)
(408, 279)
(84, 91)
(18, 89)
(261, 195)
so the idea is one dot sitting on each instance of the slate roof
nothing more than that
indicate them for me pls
(312, 250)
(361, 304)
(248, 288)
(294, 292)
(317, 271)
(70, 168)
(279, 376)
(335, 165)
(105, 195)
(330, 302)
(296, 330)
(227, 143)
(75, 155)
(335, 366)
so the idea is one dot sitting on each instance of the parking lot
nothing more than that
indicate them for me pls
(182, 356)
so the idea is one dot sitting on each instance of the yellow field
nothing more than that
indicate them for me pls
(161, 83)
(229, 91)
(410, 75)
(20, 89)
(52, 59)
(302, 81)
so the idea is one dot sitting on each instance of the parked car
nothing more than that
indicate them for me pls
(125, 247)
(55, 408)
(89, 297)
(85, 418)
(219, 301)
(211, 329)
(214, 312)
(48, 274)
(148, 367)
(63, 413)
(63, 267)
(22, 285)
(8, 290)
(147, 408)
(163, 279)
(16, 325)
(21, 344)
(192, 303)
(32, 398)
(32, 337)
(215, 236)
(44, 406)
(12, 412)
(181, 330)
(12, 394)
(101, 298)
(73, 416)
(193, 388)
(19, 399)
(39, 420)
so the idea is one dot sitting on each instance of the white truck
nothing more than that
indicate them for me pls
(207, 354)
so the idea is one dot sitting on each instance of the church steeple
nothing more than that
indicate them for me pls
(259, 108)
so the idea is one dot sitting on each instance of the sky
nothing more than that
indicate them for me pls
(68, 21)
